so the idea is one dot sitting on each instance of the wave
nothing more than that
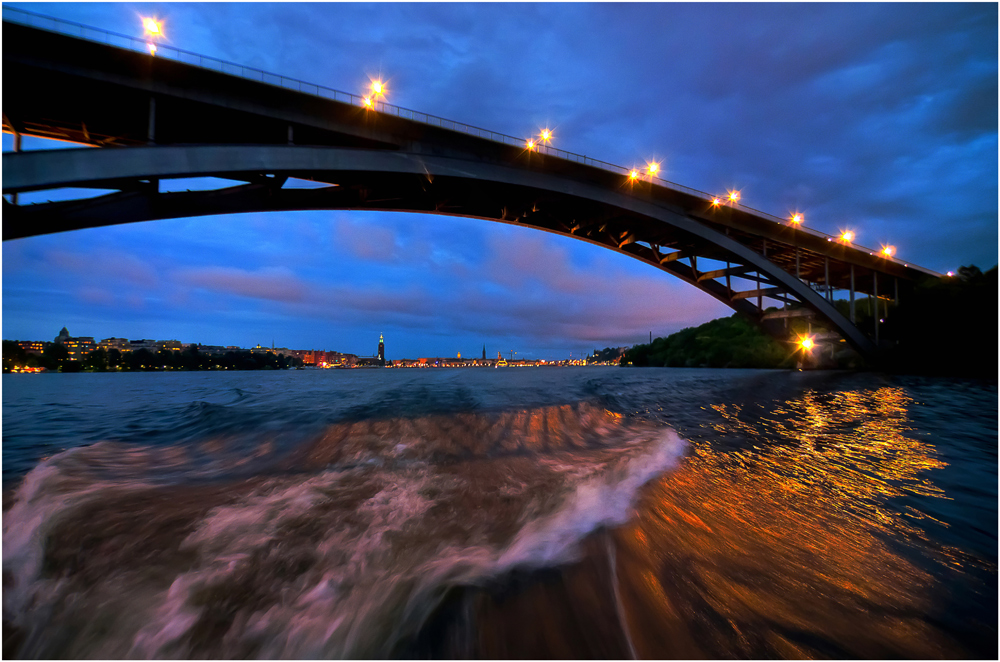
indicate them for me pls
(344, 546)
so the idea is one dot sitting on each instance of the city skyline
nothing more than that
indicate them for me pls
(181, 344)
(876, 118)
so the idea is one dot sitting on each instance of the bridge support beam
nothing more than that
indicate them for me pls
(852, 295)
(875, 302)
(151, 137)
(459, 187)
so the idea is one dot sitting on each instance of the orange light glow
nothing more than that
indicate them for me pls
(546, 135)
(806, 343)
(716, 202)
(653, 167)
(797, 219)
(734, 196)
(888, 251)
(152, 27)
(152, 48)
(367, 102)
(633, 175)
(847, 236)
(377, 87)
(531, 144)
(951, 273)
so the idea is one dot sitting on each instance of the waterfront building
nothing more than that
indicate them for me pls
(121, 344)
(76, 348)
(381, 349)
(33, 346)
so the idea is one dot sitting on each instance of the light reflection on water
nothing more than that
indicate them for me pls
(782, 549)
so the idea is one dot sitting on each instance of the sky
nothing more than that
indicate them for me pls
(880, 118)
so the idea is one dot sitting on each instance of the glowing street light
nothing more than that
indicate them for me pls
(152, 27)
(653, 167)
(716, 202)
(530, 145)
(807, 343)
(734, 196)
(546, 135)
(633, 175)
(796, 219)
(950, 274)
(847, 236)
(378, 89)
(153, 30)
(888, 251)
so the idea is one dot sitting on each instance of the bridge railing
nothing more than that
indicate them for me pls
(69, 28)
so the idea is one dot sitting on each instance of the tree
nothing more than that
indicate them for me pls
(13, 355)
(97, 360)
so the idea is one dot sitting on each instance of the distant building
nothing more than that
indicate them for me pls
(121, 344)
(381, 349)
(33, 346)
(76, 348)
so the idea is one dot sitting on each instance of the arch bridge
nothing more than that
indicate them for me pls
(180, 115)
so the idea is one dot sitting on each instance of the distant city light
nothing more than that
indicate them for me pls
(888, 251)
(847, 236)
(734, 196)
(797, 219)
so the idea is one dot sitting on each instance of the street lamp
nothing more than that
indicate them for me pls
(153, 29)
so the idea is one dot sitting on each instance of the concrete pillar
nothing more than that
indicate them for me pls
(875, 302)
(17, 148)
(152, 120)
(852, 295)
(826, 278)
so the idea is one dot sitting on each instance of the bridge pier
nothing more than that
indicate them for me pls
(853, 321)
(151, 134)
(875, 302)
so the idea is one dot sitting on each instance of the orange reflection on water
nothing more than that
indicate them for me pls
(780, 549)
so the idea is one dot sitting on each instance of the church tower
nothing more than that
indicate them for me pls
(484, 352)
(381, 349)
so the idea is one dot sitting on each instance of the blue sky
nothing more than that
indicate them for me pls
(881, 118)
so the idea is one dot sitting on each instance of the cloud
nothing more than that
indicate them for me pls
(277, 284)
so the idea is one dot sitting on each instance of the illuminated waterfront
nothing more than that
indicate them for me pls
(500, 513)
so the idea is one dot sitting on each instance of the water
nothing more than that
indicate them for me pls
(527, 513)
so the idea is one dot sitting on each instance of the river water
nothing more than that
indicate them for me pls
(496, 513)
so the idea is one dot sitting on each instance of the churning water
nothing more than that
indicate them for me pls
(545, 512)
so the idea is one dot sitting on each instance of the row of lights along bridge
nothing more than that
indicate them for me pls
(377, 92)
